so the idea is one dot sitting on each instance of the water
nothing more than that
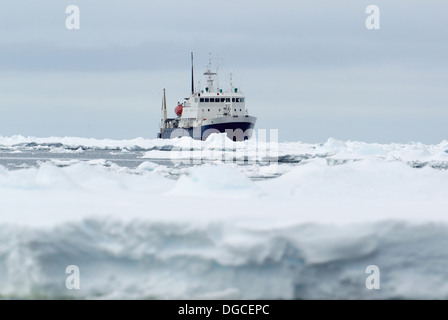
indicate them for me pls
(33, 155)
(27, 158)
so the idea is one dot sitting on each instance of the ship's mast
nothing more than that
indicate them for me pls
(210, 75)
(217, 59)
(192, 74)
(164, 111)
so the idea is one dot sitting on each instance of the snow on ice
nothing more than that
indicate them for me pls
(306, 229)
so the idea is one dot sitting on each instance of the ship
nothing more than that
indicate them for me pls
(207, 111)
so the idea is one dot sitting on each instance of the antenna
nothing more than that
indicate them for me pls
(192, 74)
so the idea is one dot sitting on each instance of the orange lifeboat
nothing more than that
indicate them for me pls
(178, 110)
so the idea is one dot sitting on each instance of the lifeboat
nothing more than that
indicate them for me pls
(178, 110)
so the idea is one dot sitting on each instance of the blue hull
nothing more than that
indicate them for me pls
(236, 131)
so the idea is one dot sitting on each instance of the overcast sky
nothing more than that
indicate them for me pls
(308, 68)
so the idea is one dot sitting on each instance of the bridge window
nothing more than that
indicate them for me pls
(242, 99)
(223, 99)
(233, 99)
(207, 100)
(212, 99)
(202, 100)
(227, 99)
